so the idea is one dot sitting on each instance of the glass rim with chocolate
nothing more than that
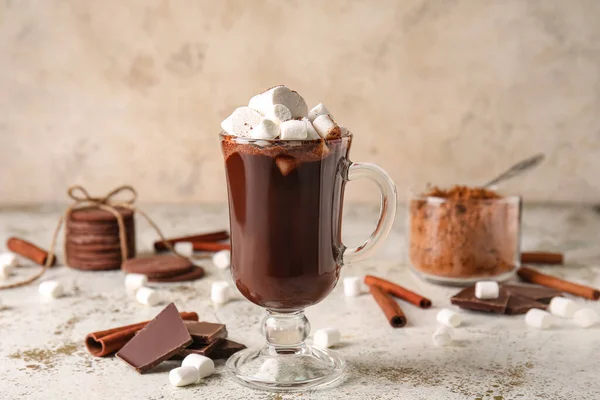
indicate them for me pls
(464, 234)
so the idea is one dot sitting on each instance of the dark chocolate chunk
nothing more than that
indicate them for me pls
(466, 299)
(520, 305)
(163, 337)
(538, 293)
(204, 349)
(226, 349)
(205, 332)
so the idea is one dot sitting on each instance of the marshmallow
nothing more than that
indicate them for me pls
(265, 129)
(51, 289)
(294, 130)
(278, 113)
(487, 290)
(352, 286)
(5, 271)
(449, 318)
(133, 282)
(147, 296)
(204, 365)
(183, 376)
(227, 125)
(286, 164)
(317, 110)
(264, 102)
(442, 336)
(243, 119)
(538, 318)
(222, 259)
(312, 132)
(562, 307)
(326, 337)
(585, 317)
(186, 249)
(219, 292)
(326, 127)
(9, 259)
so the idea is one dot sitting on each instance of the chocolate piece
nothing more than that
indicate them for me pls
(539, 293)
(195, 273)
(520, 304)
(466, 299)
(163, 337)
(162, 266)
(226, 349)
(203, 349)
(205, 332)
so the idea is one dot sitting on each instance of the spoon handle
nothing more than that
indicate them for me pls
(517, 169)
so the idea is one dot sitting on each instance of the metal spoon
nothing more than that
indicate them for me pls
(517, 169)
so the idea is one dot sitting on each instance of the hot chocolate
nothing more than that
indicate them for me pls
(285, 214)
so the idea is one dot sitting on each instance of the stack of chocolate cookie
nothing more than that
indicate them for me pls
(92, 239)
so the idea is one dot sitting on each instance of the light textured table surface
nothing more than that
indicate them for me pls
(42, 355)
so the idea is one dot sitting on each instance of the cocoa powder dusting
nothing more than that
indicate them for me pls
(464, 232)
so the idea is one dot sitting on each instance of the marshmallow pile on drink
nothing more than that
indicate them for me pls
(281, 113)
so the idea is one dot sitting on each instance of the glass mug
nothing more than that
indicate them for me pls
(285, 209)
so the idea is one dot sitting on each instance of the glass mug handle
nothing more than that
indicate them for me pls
(387, 213)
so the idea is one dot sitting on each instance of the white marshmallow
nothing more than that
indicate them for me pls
(183, 376)
(352, 286)
(487, 290)
(294, 130)
(204, 365)
(538, 318)
(280, 95)
(5, 271)
(222, 259)
(317, 110)
(449, 318)
(586, 317)
(219, 292)
(265, 129)
(133, 282)
(442, 336)
(311, 131)
(326, 337)
(147, 296)
(278, 113)
(227, 125)
(9, 259)
(562, 307)
(325, 126)
(243, 119)
(51, 289)
(186, 249)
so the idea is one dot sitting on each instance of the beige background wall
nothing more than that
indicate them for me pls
(109, 92)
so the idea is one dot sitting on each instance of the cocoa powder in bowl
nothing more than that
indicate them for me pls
(463, 233)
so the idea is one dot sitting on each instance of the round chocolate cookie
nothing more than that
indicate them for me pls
(162, 266)
(192, 275)
(76, 227)
(98, 239)
(86, 256)
(97, 248)
(97, 215)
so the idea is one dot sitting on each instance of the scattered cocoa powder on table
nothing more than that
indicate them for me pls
(464, 232)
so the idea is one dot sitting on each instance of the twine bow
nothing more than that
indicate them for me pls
(82, 199)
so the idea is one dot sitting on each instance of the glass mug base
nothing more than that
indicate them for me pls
(288, 369)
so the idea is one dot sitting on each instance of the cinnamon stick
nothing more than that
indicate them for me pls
(533, 276)
(398, 291)
(28, 250)
(210, 246)
(388, 305)
(540, 257)
(103, 343)
(204, 237)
